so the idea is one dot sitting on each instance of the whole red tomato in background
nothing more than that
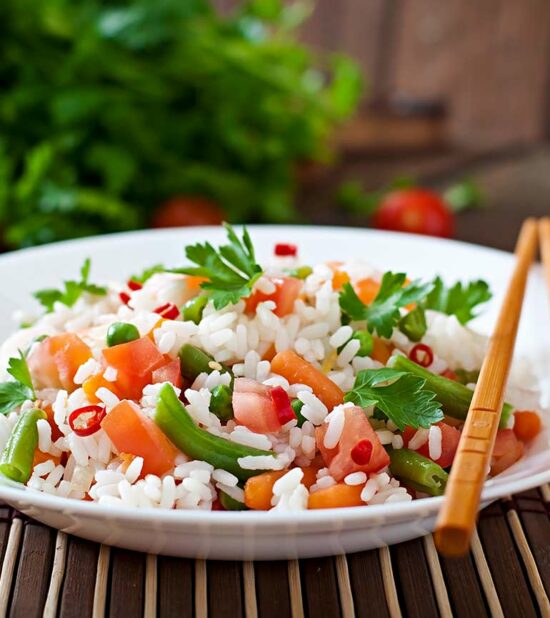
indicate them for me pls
(414, 210)
(181, 211)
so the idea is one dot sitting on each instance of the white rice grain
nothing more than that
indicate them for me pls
(435, 442)
(341, 336)
(336, 420)
(107, 397)
(419, 439)
(355, 478)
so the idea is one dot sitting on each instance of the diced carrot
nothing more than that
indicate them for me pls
(54, 361)
(337, 496)
(310, 476)
(527, 425)
(133, 432)
(258, 490)
(151, 333)
(299, 371)
(56, 432)
(367, 289)
(94, 382)
(194, 282)
(40, 457)
(269, 353)
(339, 278)
(381, 350)
(135, 362)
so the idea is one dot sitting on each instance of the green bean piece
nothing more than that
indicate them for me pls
(193, 309)
(176, 423)
(413, 324)
(297, 406)
(221, 402)
(302, 272)
(194, 361)
(417, 471)
(121, 332)
(467, 377)
(18, 454)
(454, 397)
(230, 504)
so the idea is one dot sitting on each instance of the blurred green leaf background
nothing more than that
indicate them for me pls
(107, 109)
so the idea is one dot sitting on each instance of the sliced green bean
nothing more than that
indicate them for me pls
(455, 398)
(302, 272)
(297, 406)
(417, 471)
(221, 402)
(193, 309)
(194, 361)
(18, 454)
(174, 420)
(230, 504)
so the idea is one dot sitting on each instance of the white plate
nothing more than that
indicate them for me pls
(253, 535)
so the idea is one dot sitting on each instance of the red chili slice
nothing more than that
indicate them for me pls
(422, 355)
(283, 408)
(362, 452)
(87, 420)
(124, 297)
(134, 285)
(283, 249)
(169, 311)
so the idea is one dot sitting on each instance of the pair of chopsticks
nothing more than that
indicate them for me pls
(457, 518)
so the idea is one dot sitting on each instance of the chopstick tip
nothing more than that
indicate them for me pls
(452, 542)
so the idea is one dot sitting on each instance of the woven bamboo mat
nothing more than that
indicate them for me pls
(507, 573)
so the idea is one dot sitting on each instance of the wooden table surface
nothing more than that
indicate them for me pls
(507, 572)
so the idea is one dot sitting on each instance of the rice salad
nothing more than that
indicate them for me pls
(226, 385)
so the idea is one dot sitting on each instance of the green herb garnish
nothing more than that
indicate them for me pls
(382, 315)
(398, 394)
(13, 394)
(231, 270)
(458, 300)
(72, 292)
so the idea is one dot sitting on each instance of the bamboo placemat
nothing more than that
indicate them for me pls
(507, 573)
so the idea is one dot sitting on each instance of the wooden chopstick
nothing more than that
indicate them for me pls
(456, 521)
(544, 241)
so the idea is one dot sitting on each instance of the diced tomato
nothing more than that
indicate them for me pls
(133, 432)
(508, 449)
(527, 425)
(356, 428)
(94, 382)
(54, 361)
(286, 292)
(450, 437)
(135, 362)
(367, 289)
(169, 373)
(253, 407)
(450, 375)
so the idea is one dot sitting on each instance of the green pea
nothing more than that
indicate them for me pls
(366, 342)
(297, 406)
(193, 309)
(302, 272)
(121, 332)
(221, 402)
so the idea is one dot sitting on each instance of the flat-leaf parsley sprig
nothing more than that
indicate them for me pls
(399, 394)
(230, 271)
(458, 300)
(72, 290)
(16, 392)
(382, 315)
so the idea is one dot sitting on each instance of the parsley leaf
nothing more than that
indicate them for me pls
(72, 292)
(458, 300)
(231, 271)
(18, 369)
(13, 394)
(147, 273)
(382, 315)
(398, 394)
